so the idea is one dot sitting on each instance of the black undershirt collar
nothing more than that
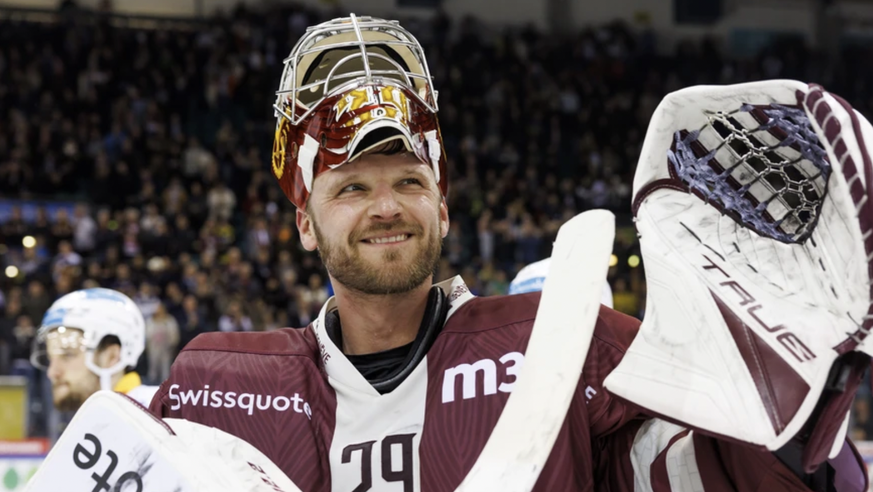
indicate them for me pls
(386, 370)
(378, 366)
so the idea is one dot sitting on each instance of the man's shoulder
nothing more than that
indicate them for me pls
(513, 316)
(500, 312)
(488, 313)
(285, 341)
(616, 328)
(266, 363)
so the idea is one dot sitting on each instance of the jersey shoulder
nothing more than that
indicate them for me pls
(267, 363)
(615, 328)
(286, 341)
(488, 313)
(496, 312)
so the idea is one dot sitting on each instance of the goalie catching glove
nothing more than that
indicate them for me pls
(756, 226)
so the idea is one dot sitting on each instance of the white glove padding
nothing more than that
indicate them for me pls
(114, 444)
(757, 234)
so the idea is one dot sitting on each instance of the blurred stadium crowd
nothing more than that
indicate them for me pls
(163, 139)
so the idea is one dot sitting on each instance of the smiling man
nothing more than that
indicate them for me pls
(398, 383)
(383, 220)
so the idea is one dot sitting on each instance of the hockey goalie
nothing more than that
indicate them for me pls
(752, 205)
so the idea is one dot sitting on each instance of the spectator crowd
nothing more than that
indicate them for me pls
(162, 139)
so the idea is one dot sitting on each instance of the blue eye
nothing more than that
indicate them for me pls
(352, 187)
(411, 181)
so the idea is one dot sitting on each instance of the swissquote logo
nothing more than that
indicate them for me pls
(248, 402)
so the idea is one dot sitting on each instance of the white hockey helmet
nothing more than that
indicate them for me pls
(97, 313)
(532, 277)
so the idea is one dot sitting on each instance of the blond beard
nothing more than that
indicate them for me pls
(348, 268)
(73, 399)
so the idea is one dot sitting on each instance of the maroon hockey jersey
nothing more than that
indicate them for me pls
(294, 395)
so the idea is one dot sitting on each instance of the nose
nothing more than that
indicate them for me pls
(54, 371)
(385, 205)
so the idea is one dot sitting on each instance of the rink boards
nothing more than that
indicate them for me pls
(19, 460)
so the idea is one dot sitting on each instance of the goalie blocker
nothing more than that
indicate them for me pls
(114, 444)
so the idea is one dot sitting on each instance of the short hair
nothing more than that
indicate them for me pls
(106, 342)
(392, 147)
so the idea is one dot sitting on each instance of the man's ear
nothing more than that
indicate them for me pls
(444, 218)
(108, 356)
(306, 228)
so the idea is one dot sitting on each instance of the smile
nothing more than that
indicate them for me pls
(388, 240)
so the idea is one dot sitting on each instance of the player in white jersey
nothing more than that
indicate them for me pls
(532, 277)
(89, 340)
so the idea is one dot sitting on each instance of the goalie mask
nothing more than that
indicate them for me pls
(351, 85)
(756, 227)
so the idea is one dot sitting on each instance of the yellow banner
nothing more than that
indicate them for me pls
(13, 407)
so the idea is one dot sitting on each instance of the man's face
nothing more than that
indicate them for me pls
(72, 382)
(377, 223)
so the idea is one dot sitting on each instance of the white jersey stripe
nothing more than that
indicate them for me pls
(367, 425)
(682, 466)
(652, 438)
